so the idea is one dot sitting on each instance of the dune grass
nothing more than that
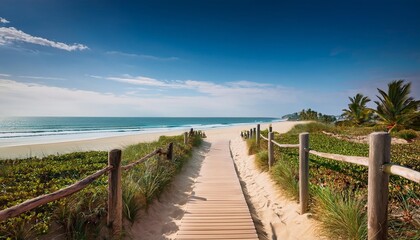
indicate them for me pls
(342, 214)
(83, 215)
(337, 177)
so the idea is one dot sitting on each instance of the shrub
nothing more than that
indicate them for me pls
(253, 148)
(345, 176)
(342, 214)
(407, 134)
(80, 215)
(261, 160)
(286, 176)
(133, 199)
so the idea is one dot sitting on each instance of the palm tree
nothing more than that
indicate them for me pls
(396, 108)
(357, 111)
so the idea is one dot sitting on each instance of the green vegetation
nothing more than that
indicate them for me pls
(83, 215)
(358, 113)
(342, 214)
(396, 109)
(310, 114)
(407, 134)
(339, 190)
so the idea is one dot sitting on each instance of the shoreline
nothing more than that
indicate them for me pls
(109, 143)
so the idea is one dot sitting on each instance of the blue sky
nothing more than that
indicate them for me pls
(201, 58)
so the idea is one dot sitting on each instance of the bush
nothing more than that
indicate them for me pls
(347, 177)
(407, 134)
(342, 214)
(80, 214)
(286, 175)
(261, 160)
(253, 148)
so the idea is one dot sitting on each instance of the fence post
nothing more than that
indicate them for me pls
(185, 138)
(270, 150)
(247, 134)
(170, 151)
(303, 171)
(114, 220)
(270, 128)
(257, 135)
(379, 154)
(250, 133)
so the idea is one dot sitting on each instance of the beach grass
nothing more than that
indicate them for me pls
(344, 177)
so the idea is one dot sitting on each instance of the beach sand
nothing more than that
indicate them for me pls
(278, 216)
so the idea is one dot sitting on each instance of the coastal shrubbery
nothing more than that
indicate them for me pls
(338, 189)
(83, 215)
(395, 111)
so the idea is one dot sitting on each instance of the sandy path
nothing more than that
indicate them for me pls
(162, 219)
(278, 214)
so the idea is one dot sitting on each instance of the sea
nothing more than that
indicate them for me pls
(15, 131)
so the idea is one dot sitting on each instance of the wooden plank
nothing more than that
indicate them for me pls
(217, 208)
(211, 236)
(217, 232)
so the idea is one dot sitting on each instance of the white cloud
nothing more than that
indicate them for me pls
(32, 99)
(144, 81)
(3, 20)
(44, 78)
(238, 89)
(4, 75)
(9, 35)
(149, 57)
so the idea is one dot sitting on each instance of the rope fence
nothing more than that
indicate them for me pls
(379, 169)
(114, 169)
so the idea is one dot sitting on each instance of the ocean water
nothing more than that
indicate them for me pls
(32, 130)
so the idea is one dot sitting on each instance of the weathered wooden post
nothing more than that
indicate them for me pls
(303, 171)
(250, 133)
(247, 134)
(170, 151)
(114, 220)
(379, 154)
(270, 150)
(185, 138)
(270, 128)
(257, 135)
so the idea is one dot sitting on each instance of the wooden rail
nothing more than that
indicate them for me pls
(402, 171)
(141, 160)
(364, 161)
(41, 200)
(114, 218)
(379, 168)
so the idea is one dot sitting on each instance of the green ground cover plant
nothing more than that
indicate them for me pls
(83, 215)
(329, 179)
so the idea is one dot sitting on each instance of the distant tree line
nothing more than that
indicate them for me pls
(310, 114)
(395, 109)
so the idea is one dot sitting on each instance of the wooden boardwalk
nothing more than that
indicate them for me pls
(217, 208)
